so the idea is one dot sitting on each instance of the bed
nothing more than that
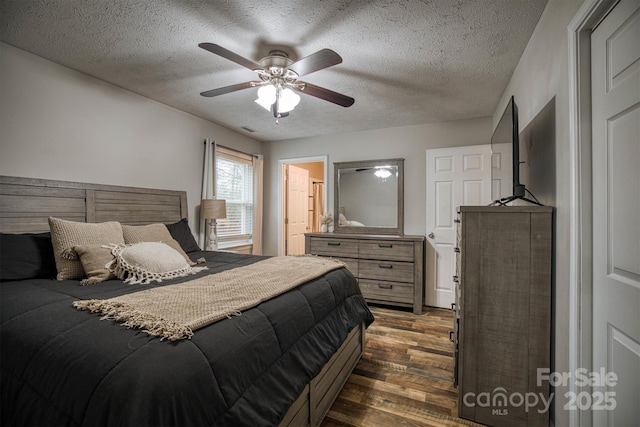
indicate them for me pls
(282, 362)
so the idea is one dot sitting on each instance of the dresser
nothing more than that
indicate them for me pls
(502, 316)
(389, 269)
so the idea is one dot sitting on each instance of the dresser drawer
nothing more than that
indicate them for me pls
(334, 247)
(390, 269)
(386, 270)
(386, 250)
(352, 264)
(386, 291)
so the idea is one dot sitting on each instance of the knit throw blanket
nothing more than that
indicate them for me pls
(175, 311)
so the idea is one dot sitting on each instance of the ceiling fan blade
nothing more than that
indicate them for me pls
(231, 56)
(316, 61)
(326, 94)
(227, 89)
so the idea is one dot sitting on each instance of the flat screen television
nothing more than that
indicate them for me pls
(506, 135)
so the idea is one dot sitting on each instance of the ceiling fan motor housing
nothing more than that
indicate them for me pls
(276, 64)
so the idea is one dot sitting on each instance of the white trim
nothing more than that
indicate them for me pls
(281, 163)
(580, 246)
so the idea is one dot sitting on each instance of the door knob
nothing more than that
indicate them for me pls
(432, 236)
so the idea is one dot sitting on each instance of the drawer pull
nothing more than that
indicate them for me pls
(387, 266)
(455, 279)
(385, 245)
(381, 286)
(333, 243)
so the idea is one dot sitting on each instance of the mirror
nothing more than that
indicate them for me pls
(369, 197)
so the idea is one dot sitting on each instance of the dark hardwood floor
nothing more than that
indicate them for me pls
(405, 377)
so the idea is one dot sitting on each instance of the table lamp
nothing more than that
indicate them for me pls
(211, 210)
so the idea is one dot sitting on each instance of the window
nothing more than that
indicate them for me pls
(234, 183)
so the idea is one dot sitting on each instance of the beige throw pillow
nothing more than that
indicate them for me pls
(146, 262)
(67, 234)
(153, 233)
(94, 259)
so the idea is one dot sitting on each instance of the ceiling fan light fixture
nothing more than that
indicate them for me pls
(288, 100)
(266, 96)
(382, 173)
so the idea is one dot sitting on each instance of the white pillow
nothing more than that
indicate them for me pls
(147, 262)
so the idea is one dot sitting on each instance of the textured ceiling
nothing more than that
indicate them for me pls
(404, 62)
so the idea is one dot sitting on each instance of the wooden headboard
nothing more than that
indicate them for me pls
(27, 203)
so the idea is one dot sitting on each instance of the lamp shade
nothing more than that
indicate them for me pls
(266, 96)
(213, 209)
(288, 100)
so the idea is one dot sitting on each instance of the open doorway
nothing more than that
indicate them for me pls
(303, 196)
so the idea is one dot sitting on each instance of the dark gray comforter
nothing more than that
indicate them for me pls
(61, 366)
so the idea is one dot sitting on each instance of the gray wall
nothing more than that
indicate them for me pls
(408, 142)
(540, 85)
(57, 123)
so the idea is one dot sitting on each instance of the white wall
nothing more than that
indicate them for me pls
(408, 142)
(56, 123)
(540, 85)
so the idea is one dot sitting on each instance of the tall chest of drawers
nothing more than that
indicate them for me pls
(502, 316)
(389, 269)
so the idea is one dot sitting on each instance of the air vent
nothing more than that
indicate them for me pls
(248, 129)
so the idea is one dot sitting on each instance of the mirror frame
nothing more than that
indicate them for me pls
(399, 229)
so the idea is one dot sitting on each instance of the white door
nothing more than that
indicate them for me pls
(455, 176)
(501, 170)
(297, 205)
(615, 62)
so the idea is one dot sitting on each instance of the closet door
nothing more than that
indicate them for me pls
(616, 209)
(455, 177)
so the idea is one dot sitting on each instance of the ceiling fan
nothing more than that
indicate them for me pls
(279, 78)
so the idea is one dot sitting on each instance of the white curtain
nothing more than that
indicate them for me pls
(257, 203)
(208, 183)
(318, 205)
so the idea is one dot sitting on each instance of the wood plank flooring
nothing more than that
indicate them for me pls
(405, 377)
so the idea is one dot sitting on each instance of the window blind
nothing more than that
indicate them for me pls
(234, 183)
